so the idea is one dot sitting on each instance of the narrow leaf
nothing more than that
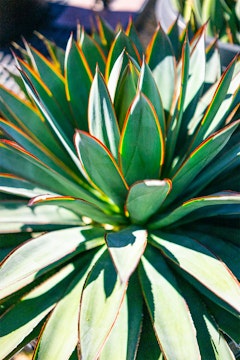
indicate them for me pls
(162, 64)
(197, 208)
(148, 87)
(80, 207)
(199, 159)
(208, 274)
(123, 340)
(99, 313)
(78, 83)
(102, 119)
(26, 314)
(168, 310)
(62, 325)
(45, 251)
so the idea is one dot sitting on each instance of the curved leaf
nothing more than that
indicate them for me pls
(123, 340)
(31, 169)
(97, 161)
(53, 79)
(148, 87)
(17, 217)
(98, 313)
(215, 104)
(92, 52)
(211, 342)
(139, 158)
(198, 160)
(78, 83)
(33, 79)
(168, 310)
(24, 316)
(80, 207)
(126, 248)
(207, 273)
(197, 208)
(160, 58)
(45, 254)
(102, 119)
(120, 42)
(145, 198)
(15, 185)
(64, 320)
(125, 92)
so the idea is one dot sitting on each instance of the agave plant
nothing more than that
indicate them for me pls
(223, 17)
(120, 200)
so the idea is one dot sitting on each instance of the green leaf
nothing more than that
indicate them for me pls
(198, 160)
(78, 82)
(217, 100)
(24, 115)
(15, 185)
(106, 34)
(197, 208)
(207, 273)
(40, 152)
(102, 119)
(148, 343)
(62, 324)
(131, 32)
(125, 92)
(148, 87)
(162, 64)
(97, 161)
(56, 53)
(79, 207)
(98, 314)
(176, 120)
(168, 310)
(26, 314)
(123, 340)
(52, 117)
(33, 80)
(222, 249)
(126, 248)
(228, 157)
(211, 342)
(17, 217)
(141, 159)
(116, 73)
(92, 52)
(227, 323)
(120, 42)
(145, 199)
(53, 79)
(45, 254)
(194, 88)
(29, 168)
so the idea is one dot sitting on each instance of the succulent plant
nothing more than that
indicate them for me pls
(223, 17)
(120, 202)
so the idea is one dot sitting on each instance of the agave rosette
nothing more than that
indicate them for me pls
(119, 200)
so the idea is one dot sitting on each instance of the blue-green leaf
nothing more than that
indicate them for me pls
(102, 119)
(168, 310)
(126, 248)
(145, 198)
(97, 161)
(140, 158)
(98, 314)
(207, 273)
